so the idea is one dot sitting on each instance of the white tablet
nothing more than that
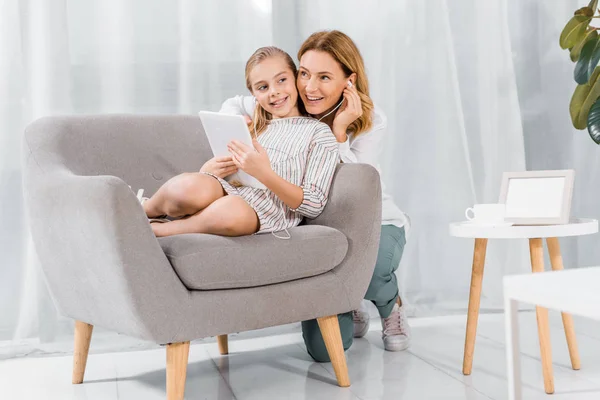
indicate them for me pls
(221, 129)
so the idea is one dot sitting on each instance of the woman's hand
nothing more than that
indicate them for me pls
(348, 112)
(253, 161)
(220, 167)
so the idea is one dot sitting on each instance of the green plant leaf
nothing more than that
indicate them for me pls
(583, 99)
(585, 11)
(576, 51)
(588, 60)
(593, 5)
(574, 31)
(593, 122)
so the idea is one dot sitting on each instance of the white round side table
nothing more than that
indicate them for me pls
(535, 234)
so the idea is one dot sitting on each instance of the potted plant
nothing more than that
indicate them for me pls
(583, 42)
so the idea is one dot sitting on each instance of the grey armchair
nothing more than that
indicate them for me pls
(104, 266)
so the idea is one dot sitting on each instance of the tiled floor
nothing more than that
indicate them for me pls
(277, 367)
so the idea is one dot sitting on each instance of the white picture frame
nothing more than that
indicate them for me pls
(537, 197)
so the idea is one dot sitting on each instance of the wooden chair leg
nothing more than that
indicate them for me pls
(81, 348)
(474, 301)
(557, 265)
(223, 344)
(330, 330)
(177, 361)
(536, 251)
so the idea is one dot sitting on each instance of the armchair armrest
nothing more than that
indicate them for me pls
(354, 208)
(98, 253)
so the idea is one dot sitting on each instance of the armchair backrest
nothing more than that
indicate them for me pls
(144, 151)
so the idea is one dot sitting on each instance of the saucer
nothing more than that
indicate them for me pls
(489, 225)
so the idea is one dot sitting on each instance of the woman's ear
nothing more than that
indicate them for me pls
(352, 78)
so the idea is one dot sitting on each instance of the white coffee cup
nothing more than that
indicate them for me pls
(486, 214)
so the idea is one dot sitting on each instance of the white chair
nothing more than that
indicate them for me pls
(572, 291)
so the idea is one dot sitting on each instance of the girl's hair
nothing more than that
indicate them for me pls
(343, 50)
(261, 117)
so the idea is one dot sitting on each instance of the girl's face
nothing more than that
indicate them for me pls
(320, 82)
(273, 85)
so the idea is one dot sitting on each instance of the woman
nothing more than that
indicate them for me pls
(328, 61)
(293, 156)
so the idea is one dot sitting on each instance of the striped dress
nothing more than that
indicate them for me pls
(302, 151)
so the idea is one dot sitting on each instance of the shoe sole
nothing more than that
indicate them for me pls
(399, 347)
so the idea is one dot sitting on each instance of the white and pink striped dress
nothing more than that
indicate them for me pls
(302, 151)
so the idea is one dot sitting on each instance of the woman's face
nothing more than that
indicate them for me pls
(272, 84)
(320, 82)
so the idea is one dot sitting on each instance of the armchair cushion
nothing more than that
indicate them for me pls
(209, 262)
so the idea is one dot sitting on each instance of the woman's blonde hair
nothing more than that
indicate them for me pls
(261, 117)
(343, 50)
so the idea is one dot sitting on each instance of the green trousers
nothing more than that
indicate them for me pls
(382, 291)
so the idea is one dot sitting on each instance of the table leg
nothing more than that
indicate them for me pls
(513, 360)
(474, 299)
(557, 265)
(536, 250)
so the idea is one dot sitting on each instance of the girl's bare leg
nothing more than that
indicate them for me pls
(184, 194)
(227, 216)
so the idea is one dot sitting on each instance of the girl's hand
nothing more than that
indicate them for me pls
(220, 166)
(253, 161)
(348, 112)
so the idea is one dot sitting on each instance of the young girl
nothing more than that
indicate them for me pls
(293, 156)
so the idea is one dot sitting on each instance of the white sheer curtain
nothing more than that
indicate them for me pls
(471, 89)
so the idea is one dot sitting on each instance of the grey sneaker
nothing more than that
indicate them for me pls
(395, 330)
(361, 319)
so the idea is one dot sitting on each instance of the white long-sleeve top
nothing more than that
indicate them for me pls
(364, 149)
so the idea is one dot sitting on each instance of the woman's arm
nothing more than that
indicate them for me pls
(238, 105)
(366, 148)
